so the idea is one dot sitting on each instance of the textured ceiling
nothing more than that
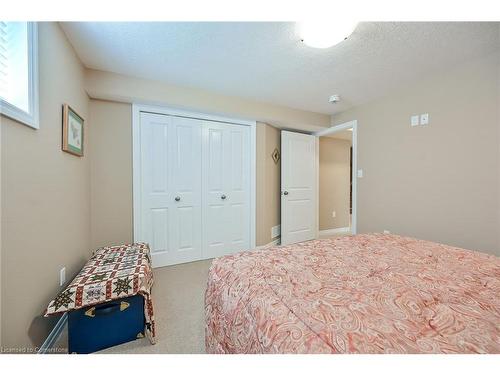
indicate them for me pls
(267, 61)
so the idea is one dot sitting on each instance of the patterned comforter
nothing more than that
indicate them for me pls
(358, 294)
(113, 272)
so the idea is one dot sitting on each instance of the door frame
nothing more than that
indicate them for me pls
(137, 108)
(331, 130)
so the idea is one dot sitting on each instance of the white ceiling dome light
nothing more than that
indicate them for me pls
(324, 34)
(334, 99)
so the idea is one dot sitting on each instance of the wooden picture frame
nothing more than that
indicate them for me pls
(276, 155)
(72, 131)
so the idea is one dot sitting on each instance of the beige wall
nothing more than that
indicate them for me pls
(111, 173)
(45, 197)
(334, 182)
(439, 182)
(120, 88)
(111, 170)
(268, 183)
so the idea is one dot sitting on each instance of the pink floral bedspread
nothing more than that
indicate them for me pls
(359, 294)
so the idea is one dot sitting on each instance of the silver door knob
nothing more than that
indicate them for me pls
(177, 199)
(223, 196)
(285, 192)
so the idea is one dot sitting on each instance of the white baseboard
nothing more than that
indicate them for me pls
(53, 335)
(328, 232)
(275, 242)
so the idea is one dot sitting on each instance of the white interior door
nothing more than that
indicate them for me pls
(226, 189)
(298, 187)
(170, 164)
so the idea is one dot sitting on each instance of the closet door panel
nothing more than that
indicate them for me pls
(155, 184)
(238, 192)
(185, 171)
(226, 186)
(158, 223)
(213, 176)
(194, 188)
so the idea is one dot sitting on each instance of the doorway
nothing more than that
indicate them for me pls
(300, 185)
(337, 185)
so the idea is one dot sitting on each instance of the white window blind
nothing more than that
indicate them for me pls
(18, 72)
(3, 59)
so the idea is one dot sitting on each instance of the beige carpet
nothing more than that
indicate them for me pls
(340, 234)
(178, 295)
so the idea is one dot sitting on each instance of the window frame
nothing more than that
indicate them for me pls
(30, 118)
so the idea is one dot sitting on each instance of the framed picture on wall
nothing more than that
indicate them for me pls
(72, 133)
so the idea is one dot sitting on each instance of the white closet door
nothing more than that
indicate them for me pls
(185, 229)
(298, 187)
(170, 153)
(215, 220)
(238, 188)
(156, 188)
(226, 189)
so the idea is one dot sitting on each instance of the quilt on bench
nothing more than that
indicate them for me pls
(112, 273)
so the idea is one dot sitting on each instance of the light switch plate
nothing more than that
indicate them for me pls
(424, 119)
(334, 214)
(360, 173)
(414, 120)
(62, 276)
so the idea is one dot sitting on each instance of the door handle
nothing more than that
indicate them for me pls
(223, 196)
(177, 198)
(285, 192)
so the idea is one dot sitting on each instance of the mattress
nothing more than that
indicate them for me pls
(372, 293)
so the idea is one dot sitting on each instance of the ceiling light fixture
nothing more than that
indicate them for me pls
(334, 99)
(324, 34)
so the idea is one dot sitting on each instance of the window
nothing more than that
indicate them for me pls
(19, 72)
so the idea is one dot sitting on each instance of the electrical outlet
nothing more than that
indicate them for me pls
(334, 214)
(424, 119)
(387, 231)
(62, 276)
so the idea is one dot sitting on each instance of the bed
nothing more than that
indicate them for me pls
(372, 293)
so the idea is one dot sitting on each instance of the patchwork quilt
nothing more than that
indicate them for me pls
(371, 293)
(112, 273)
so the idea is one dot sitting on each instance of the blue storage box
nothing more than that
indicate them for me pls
(111, 323)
